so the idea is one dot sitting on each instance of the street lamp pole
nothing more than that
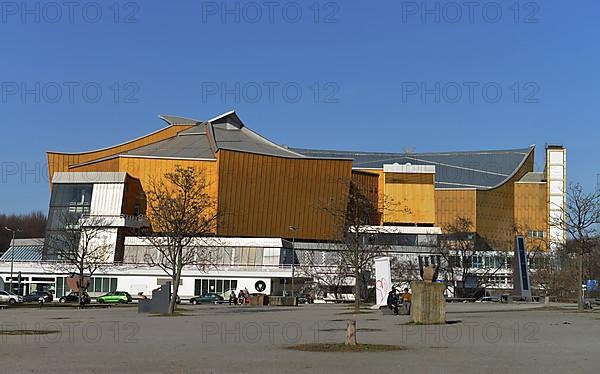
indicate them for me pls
(12, 256)
(293, 230)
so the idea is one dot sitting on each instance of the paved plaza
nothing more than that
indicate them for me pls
(479, 338)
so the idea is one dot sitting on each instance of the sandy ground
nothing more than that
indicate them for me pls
(480, 338)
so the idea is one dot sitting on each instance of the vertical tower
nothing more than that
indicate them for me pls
(556, 175)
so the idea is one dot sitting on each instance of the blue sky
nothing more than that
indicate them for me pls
(385, 75)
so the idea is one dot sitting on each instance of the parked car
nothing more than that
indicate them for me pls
(488, 299)
(305, 298)
(7, 297)
(210, 297)
(35, 296)
(73, 297)
(115, 297)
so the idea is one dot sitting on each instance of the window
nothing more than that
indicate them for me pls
(203, 286)
(68, 203)
(536, 234)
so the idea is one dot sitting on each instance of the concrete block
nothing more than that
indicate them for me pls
(428, 303)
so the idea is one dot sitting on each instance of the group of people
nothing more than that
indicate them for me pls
(242, 297)
(394, 298)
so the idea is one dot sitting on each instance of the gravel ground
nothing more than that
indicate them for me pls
(479, 338)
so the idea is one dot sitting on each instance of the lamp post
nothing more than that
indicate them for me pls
(293, 230)
(12, 255)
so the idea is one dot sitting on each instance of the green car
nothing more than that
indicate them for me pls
(115, 297)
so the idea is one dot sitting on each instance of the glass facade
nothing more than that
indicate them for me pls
(97, 284)
(68, 203)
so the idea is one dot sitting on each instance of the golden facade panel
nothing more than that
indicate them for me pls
(262, 195)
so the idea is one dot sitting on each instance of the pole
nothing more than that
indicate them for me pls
(12, 255)
(293, 230)
(293, 263)
(581, 294)
(12, 260)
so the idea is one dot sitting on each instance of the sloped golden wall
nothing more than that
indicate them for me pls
(261, 196)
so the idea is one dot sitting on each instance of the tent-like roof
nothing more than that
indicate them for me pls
(472, 169)
(205, 138)
(24, 250)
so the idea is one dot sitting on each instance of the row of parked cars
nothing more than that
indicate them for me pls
(115, 297)
(120, 297)
(7, 297)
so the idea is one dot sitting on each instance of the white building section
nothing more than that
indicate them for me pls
(256, 264)
(408, 168)
(556, 169)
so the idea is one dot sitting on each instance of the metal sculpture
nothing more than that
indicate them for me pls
(429, 267)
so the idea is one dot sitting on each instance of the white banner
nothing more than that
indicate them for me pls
(383, 279)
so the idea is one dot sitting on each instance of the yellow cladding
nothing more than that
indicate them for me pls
(262, 195)
(409, 198)
(454, 203)
(152, 170)
(496, 209)
(531, 212)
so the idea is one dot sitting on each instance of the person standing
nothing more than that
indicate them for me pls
(232, 299)
(392, 301)
(406, 300)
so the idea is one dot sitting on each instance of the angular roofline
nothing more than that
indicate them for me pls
(125, 155)
(220, 116)
(288, 157)
(450, 153)
(113, 146)
(529, 150)
(172, 120)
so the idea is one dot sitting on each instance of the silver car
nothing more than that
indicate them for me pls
(7, 297)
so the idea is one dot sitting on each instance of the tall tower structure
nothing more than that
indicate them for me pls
(556, 176)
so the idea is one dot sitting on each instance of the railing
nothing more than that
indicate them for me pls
(109, 220)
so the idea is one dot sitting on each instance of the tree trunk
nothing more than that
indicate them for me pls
(351, 333)
(356, 283)
(176, 280)
(175, 285)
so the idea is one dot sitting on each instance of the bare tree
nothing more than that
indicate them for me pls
(81, 245)
(326, 271)
(463, 252)
(356, 250)
(580, 218)
(554, 273)
(182, 214)
(404, 270)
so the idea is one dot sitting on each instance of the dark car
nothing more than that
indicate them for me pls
(488, 299)
(73, 297)
(210, 297)
(305, 298)
(35, 296)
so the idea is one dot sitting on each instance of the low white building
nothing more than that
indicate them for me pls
(257, 264)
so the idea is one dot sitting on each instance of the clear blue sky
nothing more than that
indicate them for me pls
(366, 58)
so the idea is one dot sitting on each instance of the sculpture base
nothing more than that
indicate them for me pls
(428, 303)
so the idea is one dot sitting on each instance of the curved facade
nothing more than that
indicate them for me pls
(263, 189)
